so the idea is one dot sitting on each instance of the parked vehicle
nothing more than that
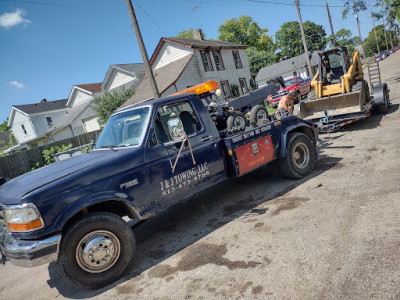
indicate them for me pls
(378, 58)
(298, 84)
(340, 93)
(148, 157)
(385, 54)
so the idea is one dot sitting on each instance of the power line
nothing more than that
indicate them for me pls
(151, 20)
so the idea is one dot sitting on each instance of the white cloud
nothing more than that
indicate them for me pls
(8, 20)
(17, 84)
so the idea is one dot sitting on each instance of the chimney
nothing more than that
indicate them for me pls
(198, 34)
(43, 100)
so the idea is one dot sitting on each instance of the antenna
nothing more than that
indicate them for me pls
(196, 8)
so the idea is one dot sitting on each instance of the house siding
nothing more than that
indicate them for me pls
(40, 123)
(91, 124)
(21, 119)
(169, 53)
(63, 134)
(80, 97)
(118, 79)
(194, 72)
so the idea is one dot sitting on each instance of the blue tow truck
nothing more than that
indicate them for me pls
(148, 157)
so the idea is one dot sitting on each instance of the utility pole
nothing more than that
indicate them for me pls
(330, 23)
(359, 33)
(376, 37)
(142, 48)
(303, 38)
(384, 31)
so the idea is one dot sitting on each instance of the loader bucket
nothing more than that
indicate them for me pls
(332, 105)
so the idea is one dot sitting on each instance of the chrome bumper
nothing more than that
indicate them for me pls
(25, 253)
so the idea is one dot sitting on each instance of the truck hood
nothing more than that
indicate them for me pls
(12, 191)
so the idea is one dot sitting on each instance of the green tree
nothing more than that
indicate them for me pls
(289, 42)
(106, 104)
(259, 59)
(370, 42)
(246, 31)
(187, 34)
(4, 127)
(344, 39)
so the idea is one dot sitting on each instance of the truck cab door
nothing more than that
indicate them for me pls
(171, 184)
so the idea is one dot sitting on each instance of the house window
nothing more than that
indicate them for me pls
(219, 64)
(226, 89)
(295, 73)
(243, 85)
(49, 121)
(205, 58)
(236, 58)
(23, 129)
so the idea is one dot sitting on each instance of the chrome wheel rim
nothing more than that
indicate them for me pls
(262, 115)
(239, 123)
(301, 155)
(98, 251)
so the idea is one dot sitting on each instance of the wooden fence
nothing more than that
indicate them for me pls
(19, 163)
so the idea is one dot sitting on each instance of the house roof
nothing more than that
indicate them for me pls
(286, 66)
(42, 106)
(192, 43)
(90, 87)
(131, 68)
(165, 77)
(69, 116)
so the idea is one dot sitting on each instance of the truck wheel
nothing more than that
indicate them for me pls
(300, 156)
(258, 116)
(298, 97)
(311, 95)
(96, 250)
(236, 121)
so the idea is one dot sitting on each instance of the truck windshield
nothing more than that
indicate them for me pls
(289, 82)
(124, 129)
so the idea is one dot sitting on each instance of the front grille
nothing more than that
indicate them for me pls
(280, 94)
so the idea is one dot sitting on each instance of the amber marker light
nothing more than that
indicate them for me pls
(278, 123)
(199, 89)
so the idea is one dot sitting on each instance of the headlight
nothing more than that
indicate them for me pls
(22, 218)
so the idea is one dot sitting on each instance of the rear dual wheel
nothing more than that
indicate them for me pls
(300, 156)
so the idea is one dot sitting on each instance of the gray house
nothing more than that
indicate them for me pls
(295, 66)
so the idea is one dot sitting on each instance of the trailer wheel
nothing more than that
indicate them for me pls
(236, 121)
(96, 250)
(300, 156)
(384, 107)
(258, 116)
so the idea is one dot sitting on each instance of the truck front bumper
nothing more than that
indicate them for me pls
(25, 253)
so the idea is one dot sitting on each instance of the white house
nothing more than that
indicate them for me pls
(181, 63)
(31, 121)
(295, 66)
(123, 76)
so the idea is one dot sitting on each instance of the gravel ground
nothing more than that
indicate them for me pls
(332, 235)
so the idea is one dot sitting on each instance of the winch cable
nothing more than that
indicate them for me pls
(185, 139)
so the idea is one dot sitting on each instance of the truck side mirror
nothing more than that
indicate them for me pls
(175, 128)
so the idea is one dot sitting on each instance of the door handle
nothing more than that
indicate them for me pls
(207, 137)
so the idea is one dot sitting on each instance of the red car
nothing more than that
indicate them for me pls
(296, 83)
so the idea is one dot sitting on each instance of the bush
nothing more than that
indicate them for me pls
(106, 104)
(48, 153)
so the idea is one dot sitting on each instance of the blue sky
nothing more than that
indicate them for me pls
(47, 46)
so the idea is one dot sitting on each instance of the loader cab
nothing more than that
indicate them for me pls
(332, 65)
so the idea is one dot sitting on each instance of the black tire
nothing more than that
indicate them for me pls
(236, 121)
(300, 156)
(311, 95)
(357, 86)
(258, 116)
(113, 243)
(298, 97)
(384, 107)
